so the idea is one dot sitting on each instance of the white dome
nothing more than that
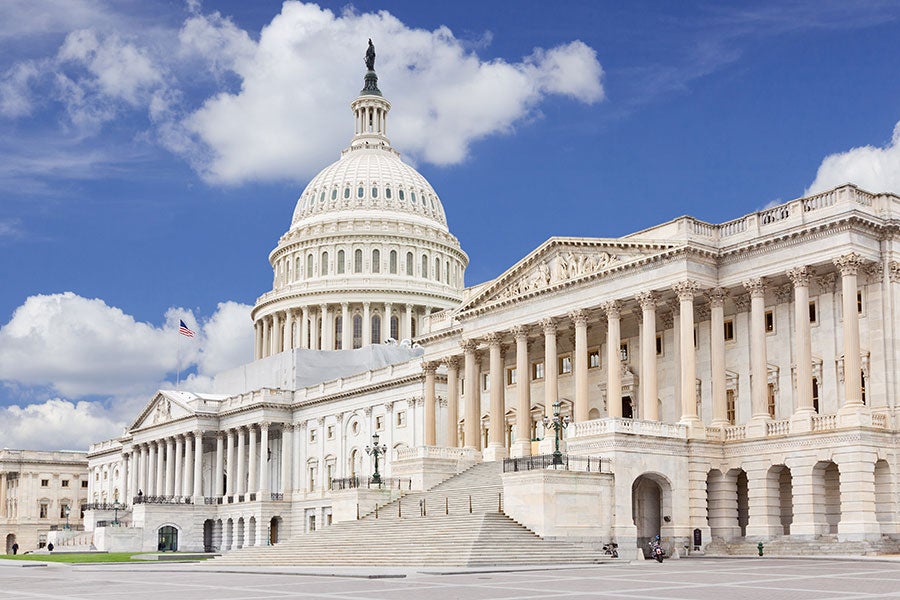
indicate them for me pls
(369, 178)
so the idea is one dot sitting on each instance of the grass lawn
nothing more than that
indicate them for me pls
(99, 557)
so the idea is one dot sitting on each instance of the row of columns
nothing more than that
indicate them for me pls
(685, 292)
(168, 467)
(274, 333)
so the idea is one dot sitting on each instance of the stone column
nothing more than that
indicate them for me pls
(551, 371)
(327, 328)
(144, 484)
(407, 322)
(582, 409)
(717, 356)
(134, 475)
(219, 475)
(287, 463)
(804, 495)
(496, 449)
(613, 359)
(472, 414)
(159, 484)
(649, 386)
(763, 500)
(684, 290)
(522, 445)
(253, 452)
(304, 328)
(723, 506)
(264, 489)
(241, 483)
(230, 464)
(257, 340)
(346, 327)
(198, 466)
(759, 375)
(429, 369)
(848, 265)
(187, 476)
(451, 429)
(386, 322)
(367, 324)
(323, 483)
(314, 330)
(288, 330)
(299, 457)
(179, 465)
(3, 510)
(170, 467)
(799, 276)
(266, 346)
(275, 334)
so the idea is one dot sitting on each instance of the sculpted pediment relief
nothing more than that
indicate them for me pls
(564, 266)
(160, 410)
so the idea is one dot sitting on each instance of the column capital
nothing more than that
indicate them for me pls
(323, 308)
(345, 305)
(579, 317)
(686, 289)
(468, 346)
(800, 276)
(493, 339)
(756, 286)
(408, 306)
(389, 407)
(451, 362)
(198, 433)
(548, 325)
(894, 271)
(647, 300)
(717, 297)
(264, 425)
(429, 367)
(612, 308)
(366, 304)
(849, 264)
(520, 331)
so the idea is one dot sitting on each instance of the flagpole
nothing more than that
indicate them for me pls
(178, 362)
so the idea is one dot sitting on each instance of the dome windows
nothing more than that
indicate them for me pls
(409, 264)
(360, 192)
(376, 261)
(347, 192)
(424, 267)
(309, 265)
(322, 196)
(393, 262)
(374, 192)
(334, 194)
(402, 196)
(437, 269)
(357, 261)
(324, 264)
(387, 193)
(340, 262)
(412, 196)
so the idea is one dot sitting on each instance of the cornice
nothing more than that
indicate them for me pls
(305, 297)
(374, 387)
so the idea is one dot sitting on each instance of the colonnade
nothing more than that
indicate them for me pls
(314, 327)
(683, 324)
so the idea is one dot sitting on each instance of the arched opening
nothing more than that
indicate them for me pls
(376, 329)
(743, 500)
(376, 261)
(274, 526)
(354, 463)
(395, 328)
(594, 413)
(323, 266)
(239, 533)
(208, 527)
(167, 539)
(357, 331)
(885, 509)
(393, 262)
(651, 506)
(228, 544)
(338, 332)
(780, 477)
(251, 532)
(10, 540)
(357, 261)
(827, 503)
(627, 408)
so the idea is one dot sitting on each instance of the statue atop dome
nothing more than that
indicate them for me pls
(370, 56)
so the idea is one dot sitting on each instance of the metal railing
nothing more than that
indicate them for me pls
(163, 500)
(212, 500)
(566, 462)
(277, 496)
(102, 506)
(350, 483)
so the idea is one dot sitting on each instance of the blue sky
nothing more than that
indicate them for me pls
(152, 153)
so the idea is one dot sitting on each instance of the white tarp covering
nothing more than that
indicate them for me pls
(302, 368)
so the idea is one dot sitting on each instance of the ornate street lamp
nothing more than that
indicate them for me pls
(116, 507)
(66, 510)
(557, 423)
(375, 451)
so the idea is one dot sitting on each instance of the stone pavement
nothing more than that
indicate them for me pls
(701, 579)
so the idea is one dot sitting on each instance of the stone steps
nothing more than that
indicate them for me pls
(826, 545)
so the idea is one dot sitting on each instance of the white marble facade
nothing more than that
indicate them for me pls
(737, 378)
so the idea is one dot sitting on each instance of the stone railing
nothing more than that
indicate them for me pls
(824, 422)
(735, 432)
(782, 427)
(880, 420)
(436, 452)
(633, 426)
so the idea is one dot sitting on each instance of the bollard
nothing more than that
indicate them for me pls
(759, 548)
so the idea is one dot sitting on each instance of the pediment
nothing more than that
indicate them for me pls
(558, 262)
(162, 408)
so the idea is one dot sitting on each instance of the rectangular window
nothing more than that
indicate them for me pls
(329, 473)
(813, 312)
(537, 370)
(565, 364)
(45, 483)
(594, 358)
(330, 432)
(63, 511)
(379, 423)
(312, 436)
(64, 483)
(312, 478)
(729, 406)
(623, 351)
(45, 510)
(771, 392)
(511, 376)
(696, 336)
(462, 387)
(485, 381)
(659, 344)
(729, 330)
(859, 302)
(770, 322)
(84, 484)
(401, 418)
(815, 394)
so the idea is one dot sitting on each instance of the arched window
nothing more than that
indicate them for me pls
(402, 196)
(393, 262)
(334, 194)
(412, 326)
(322, 196)
(447, 272)
(357, 261)
(357, 331)
(338, 332)
(424, 267)
(309, 265)
(323, 267)
(395, 328)
(409, 263)
(360, 192)
(412, 197)
(340, 262)
(347, 192)
(387, 193)
(298, 268)
(376, 329)
(437, 269)
(374, 192)
(376, 261)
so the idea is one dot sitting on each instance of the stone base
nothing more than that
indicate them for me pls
(859, 531)
(801, 421)
(427, 466)
(349, 505)
(548, 446)
(495, 453)
(758, 427)
(854, 416)
(520, 449)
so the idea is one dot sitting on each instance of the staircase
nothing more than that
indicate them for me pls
(448, 534)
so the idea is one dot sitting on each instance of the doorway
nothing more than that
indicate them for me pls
(168, 539)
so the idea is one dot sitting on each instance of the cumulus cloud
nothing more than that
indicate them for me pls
(871, 168)
(228, 339)
(57, 424)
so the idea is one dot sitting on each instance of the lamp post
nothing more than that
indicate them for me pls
(557, 423)
(116, 507)
(375, 451)
(67, 509)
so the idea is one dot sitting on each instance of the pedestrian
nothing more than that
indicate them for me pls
(15, 548)
(50, 547)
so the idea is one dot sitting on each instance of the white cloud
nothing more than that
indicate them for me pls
(228, 339)
(871, 168)
(15, 90)
(57, 424)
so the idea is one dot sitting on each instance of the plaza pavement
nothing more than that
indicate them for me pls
(695, 578)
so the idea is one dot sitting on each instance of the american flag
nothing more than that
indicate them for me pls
(183, 330)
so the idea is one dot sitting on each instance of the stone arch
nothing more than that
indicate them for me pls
(354, 462)
(209, 527)
(827, 504)
(10, 540)
(167, 538)
(228, 542)
(275, 530)
(779, 478)
(885, 506)
(651, 506)
(252, 534)
(239, 532)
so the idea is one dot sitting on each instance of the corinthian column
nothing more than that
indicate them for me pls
(496, 449)
(263, 461)
(649, 387)
(452, 424)
(580, 320)
(257, 340)
(276, 333)
(613, 360)
(367, 325)
(799, 276)
(848, 265)
(346, 327)
(266, 346)
(179, 466)
(551, 375)
(685, 291)
(230, 464)
(327, 328)
(472, 414)
(717, 355)
(522, 446)
(288, 330)
(304, 328)
(170, 466)
(429, 368)
(252, 455)
(759, 376)
(198, 466)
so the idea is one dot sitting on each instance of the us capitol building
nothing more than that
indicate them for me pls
(717, 384)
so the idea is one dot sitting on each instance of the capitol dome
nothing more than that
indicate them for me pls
(368, 255)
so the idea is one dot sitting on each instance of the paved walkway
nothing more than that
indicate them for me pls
(701, 579)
